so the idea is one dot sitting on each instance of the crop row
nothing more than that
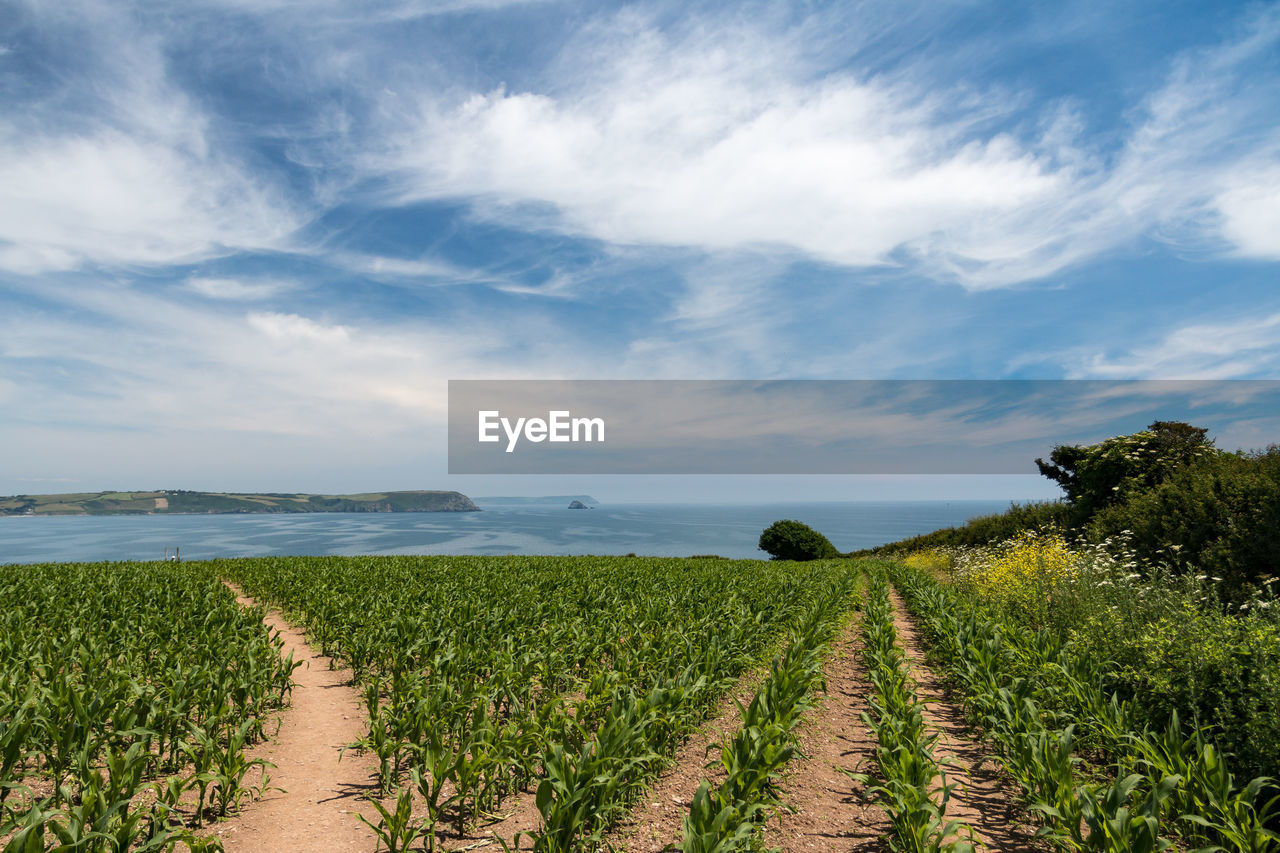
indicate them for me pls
(124, 679)
(911, 786)
(573, 676)
(1045, 708)
(725, 819)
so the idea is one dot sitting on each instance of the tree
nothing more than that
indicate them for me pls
(795, 540)
(1098, 475)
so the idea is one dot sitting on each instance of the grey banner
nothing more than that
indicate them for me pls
(826, 426)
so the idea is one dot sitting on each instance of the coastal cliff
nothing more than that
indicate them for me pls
(178, 501)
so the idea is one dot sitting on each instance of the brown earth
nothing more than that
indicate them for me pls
(326, 785)
(324, 788)
(984, 797)
(657, 821)
(826, 809)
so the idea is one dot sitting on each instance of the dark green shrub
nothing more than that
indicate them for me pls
(1219, 516)
(795, 540)
(1098, 475)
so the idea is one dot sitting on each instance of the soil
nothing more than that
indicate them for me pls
(827, 810)
(324, 788)
(984, 797)
(657, 821)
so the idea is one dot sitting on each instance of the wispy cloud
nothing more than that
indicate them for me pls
(116, 165)
(1232, 349)
(239, 290)
(721, 138)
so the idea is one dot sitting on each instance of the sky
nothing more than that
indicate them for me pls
(245, 244)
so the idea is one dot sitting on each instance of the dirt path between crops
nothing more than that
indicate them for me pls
(657, 821)
(828, 809)
(985, 798)
(325, 714)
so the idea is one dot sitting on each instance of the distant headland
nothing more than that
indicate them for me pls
(177, 501)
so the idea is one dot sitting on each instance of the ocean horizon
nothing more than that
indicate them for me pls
(646, 529)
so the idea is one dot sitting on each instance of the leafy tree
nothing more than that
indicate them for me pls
(795, 540)
(1098, 475)
(1219, 515)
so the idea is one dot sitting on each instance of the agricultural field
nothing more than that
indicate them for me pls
(545, 703)
(127, 692)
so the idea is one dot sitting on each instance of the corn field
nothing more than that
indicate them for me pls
(127, 694)
(576, 676)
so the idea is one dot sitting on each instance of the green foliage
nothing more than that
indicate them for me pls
(1047, 703)
(984, 529)
(122, 687)
(577, 676)
(1218, 516)
(795, 540)
(904, 751)
(725, 818)
(1098, 475)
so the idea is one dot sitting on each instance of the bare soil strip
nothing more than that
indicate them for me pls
(657, 821)
(315, 814)
(985, 797)
(828, 812)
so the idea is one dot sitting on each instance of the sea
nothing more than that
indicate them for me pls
(666, 530)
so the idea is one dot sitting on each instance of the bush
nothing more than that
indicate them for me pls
(983, 530)
(1098, 475)
(1219, 516)
(795, 540)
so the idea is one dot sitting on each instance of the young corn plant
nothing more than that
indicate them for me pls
(1159, 783)
(396, 827)
(911, 786)
(726, 818)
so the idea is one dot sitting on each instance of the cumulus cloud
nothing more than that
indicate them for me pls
(723, 138)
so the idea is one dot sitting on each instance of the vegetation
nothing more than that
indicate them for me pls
(726, 818)
(1218, 516)
(149, 680)
(1090, 761)
(178, 501)
(982, 530)
(795, 540)
(1132, 708)
(904, 751)
(1168, 644)
(1166, 494)
(577, 675)
(1100, 475)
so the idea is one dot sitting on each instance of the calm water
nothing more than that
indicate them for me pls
(646, 529)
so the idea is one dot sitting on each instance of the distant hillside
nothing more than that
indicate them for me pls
(171, 501)
(546, 500)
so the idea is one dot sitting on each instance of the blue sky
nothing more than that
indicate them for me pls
(244, 245)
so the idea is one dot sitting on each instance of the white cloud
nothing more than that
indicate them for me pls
(383, 266)
(291, 328)
(1250, 213)
(164, 362)
(239, 290)
(1224, 350)
(118, 166)
(721, 138)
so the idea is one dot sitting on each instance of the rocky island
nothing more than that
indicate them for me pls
(177, 501)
